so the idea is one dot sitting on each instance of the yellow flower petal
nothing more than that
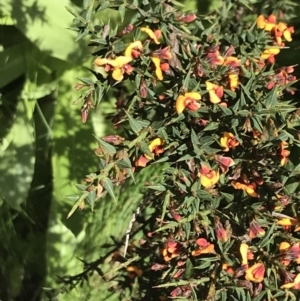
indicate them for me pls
(223, 142)
(158, 70)
(213, 97)
(116, 63)
(286, 222)
(130, 47)
(122, 60)
(288, 285)
(284, 246)
(183, 100)
(117, 74)
(250, 191)
(152, 145)
(255, 273)
(150, 34)
(104, 61)
(193, 95)
(261, 22)
(210, 179)
(281, 26)
(269, 26)
(180, 106)
(233, 81)
(287, 35)
(244, 250)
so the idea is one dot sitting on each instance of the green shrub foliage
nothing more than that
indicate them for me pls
(206, 102)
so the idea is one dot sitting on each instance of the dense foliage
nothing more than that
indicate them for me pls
(192, 178)
(211, 110)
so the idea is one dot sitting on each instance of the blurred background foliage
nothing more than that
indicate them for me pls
(45, 149)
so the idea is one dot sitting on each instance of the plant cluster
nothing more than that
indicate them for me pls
(214, 112)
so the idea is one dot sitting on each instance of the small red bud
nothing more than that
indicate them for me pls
(189, 18)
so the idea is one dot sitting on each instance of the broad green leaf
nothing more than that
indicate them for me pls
(17, 161)
(12, 63)
(42, 24)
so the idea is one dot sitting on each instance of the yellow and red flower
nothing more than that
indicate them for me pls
(153, 35)
(283, 249)
(287, 222)
(134, 271)
(228, 141)
(233, 81)
(189, 100)
(256, 273)
(171, 250)
(142, 161)
(220, 231)
(289, 253)
(224, 162)
(266, 24)
(283, 78)
(119, 65)
(134, 49)
(283, 152)
(208, 177)
(295, 284)
(269, 54)
(282, 30)
(164, 54)
(214, 57)
(215, 92)
(244, 184)
(155, 147)
(232, 61)
(256, 230)
(187, 18)
(204, 247)
(229, 269)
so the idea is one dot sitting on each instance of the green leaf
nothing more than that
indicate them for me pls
(228, 197)
(186, 81)
(18, 160)
(91, 198)
(77, 204)
(130, 172)
(124, 163)
(85, 80)
(103, 6)
(271, 99)
(107, 184)
(194, 138)
(211, 126)
(291, 187)
(90, 10)
(166, 203)
(267, 238)
(42, 24)
(157, 187)
(134, 124)
(106, 146)
(122, 11)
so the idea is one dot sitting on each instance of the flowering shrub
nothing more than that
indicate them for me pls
(214, 112)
